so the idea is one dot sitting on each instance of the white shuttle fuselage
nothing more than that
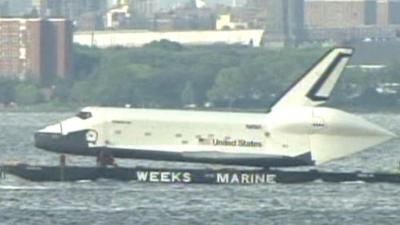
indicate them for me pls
(294, 133)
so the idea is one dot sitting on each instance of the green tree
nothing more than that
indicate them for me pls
(125, 85)
(167, 74)
(230, 85)
(82, 92)
(27, 94)
(7, 90)
(188, 95)
(62, 89)
(86, 61)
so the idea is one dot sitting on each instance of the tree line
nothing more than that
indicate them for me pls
(168, 75)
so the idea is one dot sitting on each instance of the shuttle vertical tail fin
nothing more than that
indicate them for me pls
(315, 86)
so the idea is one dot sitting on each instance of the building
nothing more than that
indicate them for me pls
(187, 17)
(118, 16)
(200, 4)
(61, 47)
(292, 22)
(226, 22)
(353, 13)
(143, 13)
(144, 8)
(35, 48)
(382, 13)
(394, 12)
(334, 13)
(72, 9)
(344, 20)
(4, 9)
(40, 6)
(283, 20)
(194, 19)
(254, 13)
(85, 14)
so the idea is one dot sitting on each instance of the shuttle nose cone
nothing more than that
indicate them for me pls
(387, 134)
(46, 141)
(53, 129)
(370, 130)
(73, 143)
(48, 137)
(37, 140)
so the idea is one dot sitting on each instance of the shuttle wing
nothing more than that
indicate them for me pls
(315, 86)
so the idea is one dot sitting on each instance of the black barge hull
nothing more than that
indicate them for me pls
(189, 176)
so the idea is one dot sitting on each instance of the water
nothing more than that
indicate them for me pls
(110, 202)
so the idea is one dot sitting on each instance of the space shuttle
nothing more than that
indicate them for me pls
(296, 130)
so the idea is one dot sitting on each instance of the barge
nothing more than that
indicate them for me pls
(190, 176)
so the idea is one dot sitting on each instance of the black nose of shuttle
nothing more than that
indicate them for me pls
(72, 143)
(47, 141)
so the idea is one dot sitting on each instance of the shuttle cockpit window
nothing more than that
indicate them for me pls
(84, 115)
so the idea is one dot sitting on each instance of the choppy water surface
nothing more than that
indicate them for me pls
(110, 202)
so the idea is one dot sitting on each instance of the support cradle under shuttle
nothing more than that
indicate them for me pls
(295, 132)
